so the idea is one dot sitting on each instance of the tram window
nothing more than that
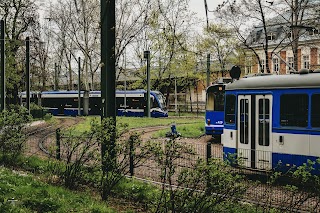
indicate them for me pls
(210, 99)
(230, 109)
(244, 121)
(294, 110)
(264, 122)
(120, 102)
(219, 100)
(135, 102)
(315, 110)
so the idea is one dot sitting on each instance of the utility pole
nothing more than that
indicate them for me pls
(3, 68)
(147, 56)
(55, 85)
(108, 70)
(108, 85)
(125, 81)
(79, 88)
(28, 73)
(208, 69)
(175, 96)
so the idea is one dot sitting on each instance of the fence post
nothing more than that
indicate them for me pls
(131, 156)
(208, 151)
(58, 136)
(209, 154)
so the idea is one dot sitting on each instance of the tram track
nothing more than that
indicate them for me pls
(37, 135)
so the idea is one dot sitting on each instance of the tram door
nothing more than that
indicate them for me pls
(263, 117)
(244, 131)
(254, 130)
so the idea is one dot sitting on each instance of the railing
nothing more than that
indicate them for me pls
(257, 175)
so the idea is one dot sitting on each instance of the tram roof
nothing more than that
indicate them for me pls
(309, 80)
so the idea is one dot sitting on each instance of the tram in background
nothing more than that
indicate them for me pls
(214, 114)
(128, 103)
(133, 103)
(273, 121)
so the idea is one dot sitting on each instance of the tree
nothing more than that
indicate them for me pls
(271, 32)
(241, 16)
(165, 35)
(40, 45)
(222, 44)
(297, 16)
(19, 16)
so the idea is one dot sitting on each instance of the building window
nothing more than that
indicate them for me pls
(289, 35)
(306, 62)
(254, 38)
(248, 69)
(275, 64)
(271, 36)
(248, 64)
(290, 63)
(263, 65)
(313, 32)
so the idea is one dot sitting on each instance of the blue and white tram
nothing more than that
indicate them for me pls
(133, 103)
(128, 103)
(34, 97)
(214, 114)
(273, 119)
(62, 102)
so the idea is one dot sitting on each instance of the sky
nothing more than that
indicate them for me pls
(198, 7)
(195, 5)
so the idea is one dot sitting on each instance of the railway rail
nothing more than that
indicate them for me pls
(37, 134)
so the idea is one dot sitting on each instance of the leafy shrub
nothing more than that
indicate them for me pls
(12, 139)
(47, 116)
(36, 111)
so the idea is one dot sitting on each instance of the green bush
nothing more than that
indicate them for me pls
(47, 116)
(12, 139)
(36, 111)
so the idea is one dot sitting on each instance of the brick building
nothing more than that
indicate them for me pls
(279, 36)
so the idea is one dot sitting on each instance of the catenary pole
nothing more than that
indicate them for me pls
(3, 68)
(28, 73)
(79, 88)
(108, 80)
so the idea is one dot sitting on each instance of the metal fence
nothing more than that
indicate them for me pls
(259, 189)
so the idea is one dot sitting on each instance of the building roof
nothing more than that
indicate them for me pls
(279, 27)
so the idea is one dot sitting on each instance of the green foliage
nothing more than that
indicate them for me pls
(206, 187)
(21, 192)
(36, 111)
(12, 139)
(137, 191)
(200, 187)
(47, 116)
(78, 152)
(116, 153)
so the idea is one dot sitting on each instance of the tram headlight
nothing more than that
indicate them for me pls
(208, 121)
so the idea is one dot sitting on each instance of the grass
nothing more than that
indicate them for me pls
(138, 122)
(193, 130)
(21, 192)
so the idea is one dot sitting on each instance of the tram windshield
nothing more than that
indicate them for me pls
(161, 100)
(215, 98)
